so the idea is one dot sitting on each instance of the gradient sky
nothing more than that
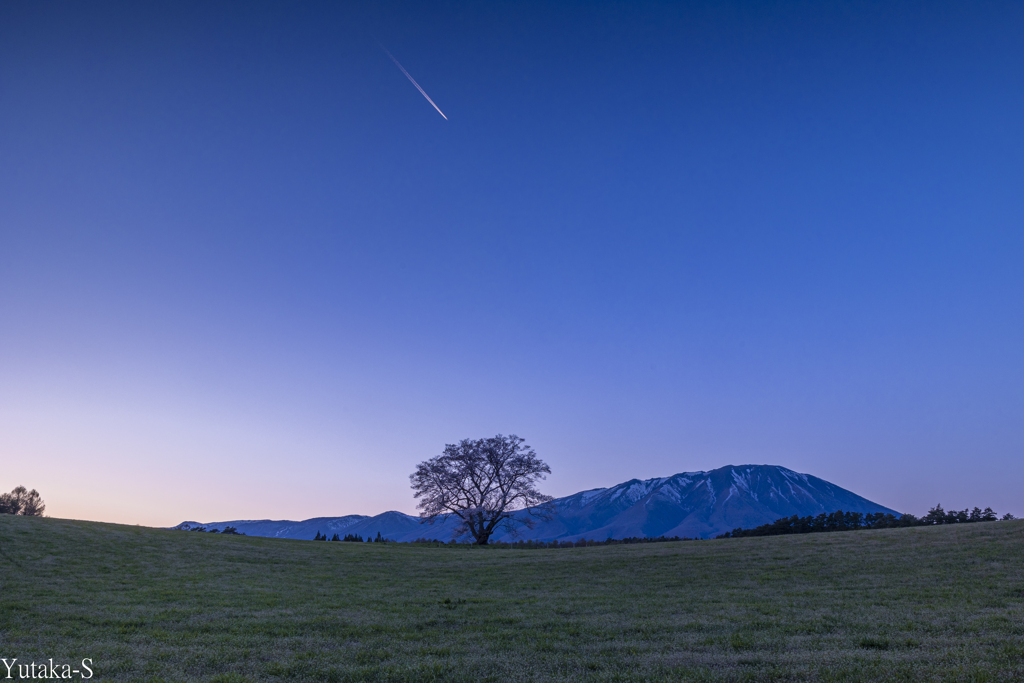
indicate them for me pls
(247, 271)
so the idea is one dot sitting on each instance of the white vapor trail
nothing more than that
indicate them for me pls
(413, 81)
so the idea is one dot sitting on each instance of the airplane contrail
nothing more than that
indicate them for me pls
(413, 81)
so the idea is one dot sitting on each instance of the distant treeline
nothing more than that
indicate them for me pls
(853, 521)
(352, 538)
(229, 530)
(526, 545)
(548, 545)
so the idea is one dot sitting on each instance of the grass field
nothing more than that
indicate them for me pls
(942, 603)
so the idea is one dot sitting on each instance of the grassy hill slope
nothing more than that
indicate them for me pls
(943, 603)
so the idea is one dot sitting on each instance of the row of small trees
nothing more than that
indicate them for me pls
(229, 530)
(549, 545)
(351, 538)
(21, 501)
(852, 521)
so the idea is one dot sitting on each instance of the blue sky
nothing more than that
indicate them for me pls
(247, 271)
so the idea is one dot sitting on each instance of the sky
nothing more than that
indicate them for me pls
(247, 270)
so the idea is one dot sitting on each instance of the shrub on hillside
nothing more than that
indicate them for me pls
(21, 501)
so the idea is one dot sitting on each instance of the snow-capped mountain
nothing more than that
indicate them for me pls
(690, 504)
(698, 504)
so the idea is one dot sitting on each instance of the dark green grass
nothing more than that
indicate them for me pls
(943, 603)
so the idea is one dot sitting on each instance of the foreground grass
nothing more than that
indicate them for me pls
(943, 603)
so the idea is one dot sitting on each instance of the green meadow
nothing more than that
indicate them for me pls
(918, 604)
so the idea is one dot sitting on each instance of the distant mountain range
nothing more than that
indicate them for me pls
(690, 504)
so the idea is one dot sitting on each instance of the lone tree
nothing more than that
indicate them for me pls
(21, 501)
(485, 483)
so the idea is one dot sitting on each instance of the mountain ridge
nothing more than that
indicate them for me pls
(688, 504)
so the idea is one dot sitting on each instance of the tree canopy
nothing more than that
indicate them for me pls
(485, 483)
(21, 501)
